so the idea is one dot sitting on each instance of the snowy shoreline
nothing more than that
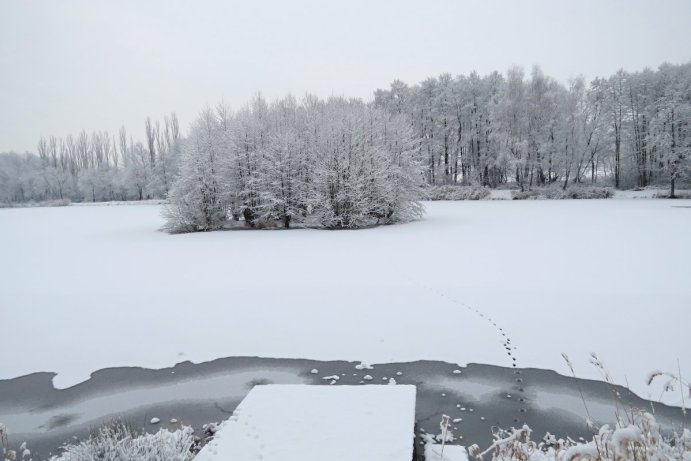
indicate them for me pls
(492, 194)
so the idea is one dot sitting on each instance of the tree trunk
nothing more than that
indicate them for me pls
(566, 179)
(617, 152)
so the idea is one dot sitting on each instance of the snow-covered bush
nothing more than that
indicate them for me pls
(638, 439)
(588, 192)
(22, 454)
(683, 194)
(451, 192)
(558, 193)
(32, 204)
(4, 443)
(116, 441)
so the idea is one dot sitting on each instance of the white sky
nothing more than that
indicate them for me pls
(95, 65)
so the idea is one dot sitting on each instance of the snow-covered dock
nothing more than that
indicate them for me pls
(300, 422)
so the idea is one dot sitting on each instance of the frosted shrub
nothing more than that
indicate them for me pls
(588, 192)
(23, 454)
(542, 193)
(4, 443)
(451, 192)
(639, 440)
(118, 442)
(32, 204)
(514, 444)
(551, 193)
(558, 193)
(678, 194)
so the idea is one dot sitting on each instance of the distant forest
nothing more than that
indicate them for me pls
(629, 130)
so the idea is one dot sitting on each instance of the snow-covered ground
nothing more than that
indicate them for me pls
(83, 288)
(280, 422)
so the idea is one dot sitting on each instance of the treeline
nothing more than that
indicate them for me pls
(95, 167)
(629, 130)
(338, 163)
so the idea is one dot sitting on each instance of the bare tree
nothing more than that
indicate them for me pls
(150, 141)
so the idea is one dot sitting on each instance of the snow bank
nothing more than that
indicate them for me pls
(291, 422)
(83, 288)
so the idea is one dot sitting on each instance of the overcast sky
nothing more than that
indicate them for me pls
(95, 65)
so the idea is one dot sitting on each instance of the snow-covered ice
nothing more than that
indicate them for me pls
(289, 422)
(83, 288)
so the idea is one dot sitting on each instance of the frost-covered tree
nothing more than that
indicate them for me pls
(95, 167)
(19, 179)
(365, 165)
(629, 129)
(281, 186)
(535, 131)
(671, 125)
(137, 172)
(199, 199)
(337, 163)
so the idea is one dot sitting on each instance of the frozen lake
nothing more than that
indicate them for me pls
(498, 282)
